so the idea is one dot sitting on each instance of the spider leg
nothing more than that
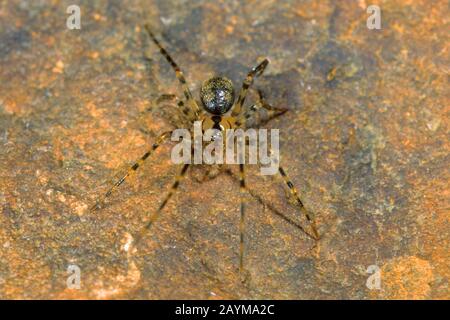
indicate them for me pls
(132, 169)
(186, 112)
(272, 112)
(194, 109)
(272, 208)
(299, 202)
(166, 97)
(256, 71)
(242, 190)
(169, 195)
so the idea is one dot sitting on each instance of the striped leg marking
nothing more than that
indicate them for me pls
(271, 207)
(256, 71)
(242, 190)
(293, 191)
(194, 109)
(132, 169)
(272, 112)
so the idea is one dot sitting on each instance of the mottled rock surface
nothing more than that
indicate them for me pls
(365, 141)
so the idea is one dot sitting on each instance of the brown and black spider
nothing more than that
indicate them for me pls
(221, 112)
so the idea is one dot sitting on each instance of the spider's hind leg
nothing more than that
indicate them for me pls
(274, 210)
(299, 202)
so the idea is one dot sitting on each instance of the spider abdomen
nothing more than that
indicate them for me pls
(217, 95)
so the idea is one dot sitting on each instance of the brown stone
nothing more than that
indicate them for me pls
(365, 141)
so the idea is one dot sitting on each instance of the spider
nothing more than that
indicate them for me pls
(219, 111)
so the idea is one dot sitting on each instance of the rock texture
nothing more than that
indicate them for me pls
(365, 141)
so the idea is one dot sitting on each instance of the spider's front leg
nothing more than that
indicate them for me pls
(191, 109)
(256, 71)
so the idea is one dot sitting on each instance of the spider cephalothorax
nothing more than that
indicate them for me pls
(217, 95)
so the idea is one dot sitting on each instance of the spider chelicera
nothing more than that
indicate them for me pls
(219, 111)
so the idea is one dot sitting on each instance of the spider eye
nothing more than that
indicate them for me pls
(217, 95)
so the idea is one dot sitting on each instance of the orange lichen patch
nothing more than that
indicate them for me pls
(433, 221)
(42, 177)
(89, 135)
(16, 101)
(76, 205)
(232, 22)
(94, 55)
(7, 184)
(99, 17)
(317, 10)
(11, 107)
(94, 111)
(436, 245)
(406, 277)
(47, 77)
(71, 294)
(229, 29)
(113, 152)
(59, 67)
